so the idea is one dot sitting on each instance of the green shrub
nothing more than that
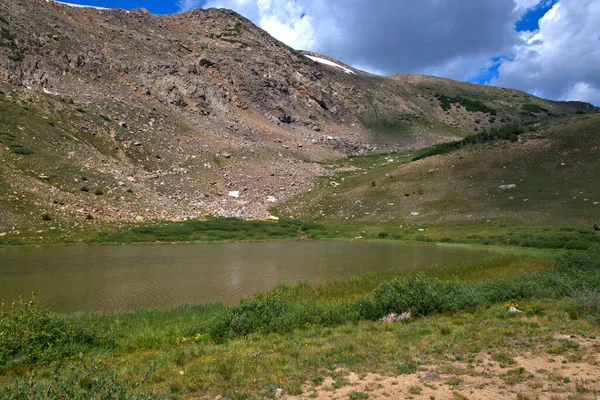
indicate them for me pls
(19, 149)
(470, 105)
(407, 367)
(29, 334)
(422, 295)
(218, 229)
(260, 313)
(533, 108)
(506, 132)
(589, 261)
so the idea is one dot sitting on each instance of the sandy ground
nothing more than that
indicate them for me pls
(532, 376)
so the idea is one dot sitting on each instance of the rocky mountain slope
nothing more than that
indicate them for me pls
(114, 115)
(547, 176)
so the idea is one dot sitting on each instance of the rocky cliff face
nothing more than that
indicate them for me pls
(129, 116)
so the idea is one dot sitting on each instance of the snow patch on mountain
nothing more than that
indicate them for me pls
(330, 63)
(80, 5)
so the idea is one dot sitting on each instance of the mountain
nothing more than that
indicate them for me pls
(543, 181)
(124, 116)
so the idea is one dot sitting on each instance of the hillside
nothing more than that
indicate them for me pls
(547, 177)
(124, 116)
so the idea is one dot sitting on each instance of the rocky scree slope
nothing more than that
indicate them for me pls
(114, 115)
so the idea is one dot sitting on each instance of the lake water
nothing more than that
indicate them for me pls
(107, 278)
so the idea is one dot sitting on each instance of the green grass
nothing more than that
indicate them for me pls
(212, 229)
(457, 197)
(207, 230)
(171, 353)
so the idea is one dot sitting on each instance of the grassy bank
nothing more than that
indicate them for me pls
(501, 236)
(302, 339)
(193, 231)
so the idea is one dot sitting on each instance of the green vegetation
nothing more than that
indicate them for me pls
(458, 198)
(6, 137)
(19, 149)
(420, 295)
(272, 342)
(468, 104)
(213, 229)
(533, 108)
(30, 335)
(506, 132)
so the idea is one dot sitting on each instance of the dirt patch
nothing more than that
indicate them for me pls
(528, 376)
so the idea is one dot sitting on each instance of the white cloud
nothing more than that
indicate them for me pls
(449, 38)
(287, 22)
(522, 5)
(583, 91)
(387, 36)
(459, 68)
(561, 60)
(187, 5)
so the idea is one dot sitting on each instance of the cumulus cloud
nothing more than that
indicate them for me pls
(455, 39)
(561, 60)
(388, 36)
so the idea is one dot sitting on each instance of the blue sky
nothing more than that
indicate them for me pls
(529, 21)
(154, 6)
(550, 48)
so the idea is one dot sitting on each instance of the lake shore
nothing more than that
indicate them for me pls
(464, 351)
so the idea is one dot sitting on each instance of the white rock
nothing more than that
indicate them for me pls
(415, 213)
(514, 309)
(234, 193)
(271, 199)
(508, 187)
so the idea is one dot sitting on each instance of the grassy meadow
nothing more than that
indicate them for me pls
(302, 340)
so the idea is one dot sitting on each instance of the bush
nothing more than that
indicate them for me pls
(268, 312)
(261, 313)
(422, 295)
(29, 334)
(468, 104)
(506, 132)
(589, 261)
(18, 149)
(533, 108)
